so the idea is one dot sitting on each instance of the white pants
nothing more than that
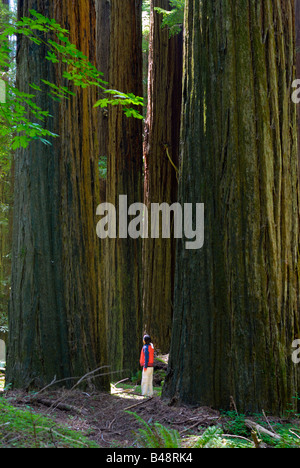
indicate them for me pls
(147, 382)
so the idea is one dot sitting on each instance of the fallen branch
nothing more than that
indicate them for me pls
(138, 404)
(261, 429)
(199, 421)
(233, 404)
(294, 433)
(237, 437)
(191, 427)
(271, 428)
(121, 381)
(127, 391)
(55, 382)
(111, 423)
(61, 406)
(89, 374)
(5, 424)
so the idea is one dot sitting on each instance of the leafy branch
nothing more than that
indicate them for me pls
(173, 19)
(17, 112)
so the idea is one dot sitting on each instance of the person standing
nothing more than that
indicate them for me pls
(147, 362)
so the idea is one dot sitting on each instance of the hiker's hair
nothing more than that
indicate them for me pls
(147, 339)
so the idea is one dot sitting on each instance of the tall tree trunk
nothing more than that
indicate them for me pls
(297, 22)
(6, 184)
(103, 12)
(5, 247)
(161, 143)
(237, 300)
(123, 261)
(55, 327)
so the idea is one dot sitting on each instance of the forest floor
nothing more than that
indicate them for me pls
(103, 418)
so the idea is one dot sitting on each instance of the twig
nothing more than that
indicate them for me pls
(236, 437)
(128, 392)
(272, 430)
(87, 375)
(121, 381)
(138, 404)
(55, 382)
(191, 427)
(292, 432)
(59, 401)
(186, 421)
(234, 405)
(111, 423)
(5, 424)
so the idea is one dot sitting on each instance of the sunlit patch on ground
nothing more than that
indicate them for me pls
(123, 392)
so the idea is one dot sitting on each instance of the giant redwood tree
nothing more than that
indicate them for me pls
(6, 182)
(297, 24)
(124, 177)
(54, 322)
(237, 299)
(161, 153)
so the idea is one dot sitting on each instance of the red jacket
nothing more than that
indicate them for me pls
(147, 356)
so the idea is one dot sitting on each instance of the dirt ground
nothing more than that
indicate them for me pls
(103, 418)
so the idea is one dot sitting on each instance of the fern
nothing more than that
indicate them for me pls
(211, 438)
(157, 436)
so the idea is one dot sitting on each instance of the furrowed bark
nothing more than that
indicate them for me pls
(162, 133)
(6, 189)
(55, 327)
(237, 300)
(123, 260)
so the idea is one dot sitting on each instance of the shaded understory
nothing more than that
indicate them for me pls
(81, 419)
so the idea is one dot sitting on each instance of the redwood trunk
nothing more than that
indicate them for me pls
(123, 259)
(297, 22)
(162, 133)
(237, 299)
(6, 183)
(55, 327)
